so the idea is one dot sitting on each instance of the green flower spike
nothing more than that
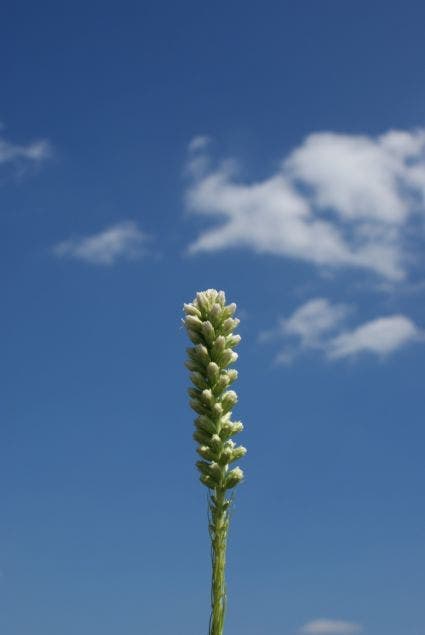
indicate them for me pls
(210, 326)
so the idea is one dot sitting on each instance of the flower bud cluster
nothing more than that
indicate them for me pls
(210, 326)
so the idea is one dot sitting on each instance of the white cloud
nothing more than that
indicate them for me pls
(381, 336)
(322, 326)
(123, 241)
(330, 627)
(31, 153)
(337, 201)
(360, 177)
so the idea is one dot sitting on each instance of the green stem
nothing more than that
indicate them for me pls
(219, 525)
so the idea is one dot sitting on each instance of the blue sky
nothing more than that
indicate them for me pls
(274, 150)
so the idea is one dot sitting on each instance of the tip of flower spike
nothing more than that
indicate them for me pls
(211, 327)
(205, 299)
(221, 298)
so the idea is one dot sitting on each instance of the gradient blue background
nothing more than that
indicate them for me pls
(103, 522)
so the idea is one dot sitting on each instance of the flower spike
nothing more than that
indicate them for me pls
(210, 326)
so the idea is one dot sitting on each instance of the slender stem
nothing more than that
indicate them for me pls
(218, 531)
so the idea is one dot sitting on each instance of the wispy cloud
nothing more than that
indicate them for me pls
(336, 201)
(122, 241)
(21, 156)
(319, 325)
(310, 322)
(200, 142)
(198, 160)
(330, 627)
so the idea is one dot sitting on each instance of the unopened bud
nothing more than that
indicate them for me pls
(217, 409)
(203, 467)
(198, 380)
(228, 400)
(202, 353)
(212, 470)
(236, 426)
(213, 372)
(206, 452)
(229, 325)
(215, 313)
(219, 346)
(229, 310)
(225, 456)
(208, 331)
(194, 336)
(215, 442)
(233, 477)
(238, 453)
(233, 340)
(232, 374)
(202, 437)
(194, 393)
(197, 406)
(193, 322)
(228, 429)
(208, 481)
(205, 423)
(207, 396)
(221, 298)
(215, 471)
(227, 357)
(190, 309)
(202, 300)
(222, 384)
(191, 365)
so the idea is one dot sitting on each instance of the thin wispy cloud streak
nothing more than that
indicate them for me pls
(330, 627)
(122, 241)
(21, 156)
(322, 327)
(337, 201)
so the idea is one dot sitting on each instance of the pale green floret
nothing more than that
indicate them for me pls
(190, 309)
(208, 332)
(213, 373)
(232, 340)
(206, 453)
(206, 424)
(198, 380)
(229, 325)
(208, 481)
(228, 400)
(217, 410)
(194, 393)
(219, 345)
(202, 437)
(229, 429)
(232, 374)
(193, 322)
(221, 385)
(216, 443)
(238, 453)
(234, 477)
(227, 357)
